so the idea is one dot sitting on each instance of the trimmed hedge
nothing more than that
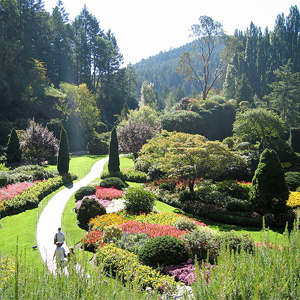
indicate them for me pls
(31, 197)
(127, 175)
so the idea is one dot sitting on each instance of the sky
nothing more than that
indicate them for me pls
(144, 28)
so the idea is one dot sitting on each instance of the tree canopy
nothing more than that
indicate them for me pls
(188, 156)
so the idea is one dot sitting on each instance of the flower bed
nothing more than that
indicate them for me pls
(108, 193)
(153, 230)
(294, 199)
(12, 190)
(100, 222)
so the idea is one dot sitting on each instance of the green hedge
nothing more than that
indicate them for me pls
(127, 175)
(31, 197)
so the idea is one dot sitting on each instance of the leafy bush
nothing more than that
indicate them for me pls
(112, 233)
(293, 180)
(204, 243)
(97, 146)
(115, 182)
(127, 175)
(3, 180)
(125, 265)
(138, 200)
(238, 205)
(236, 242)
(89, 209)
(132, 241)
(233, 189)
(185, 224)
(84, 191)
(163, 251)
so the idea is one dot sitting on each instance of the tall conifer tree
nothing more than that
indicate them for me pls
(14, 153)
(114, 161)
(63, 159)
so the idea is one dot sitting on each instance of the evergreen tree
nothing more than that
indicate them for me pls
(63, 158)
(114, 161)
(14, 153)
(269, 191)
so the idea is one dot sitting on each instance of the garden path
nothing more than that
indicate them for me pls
(50, 218)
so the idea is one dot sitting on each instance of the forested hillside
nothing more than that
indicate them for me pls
(69, 74)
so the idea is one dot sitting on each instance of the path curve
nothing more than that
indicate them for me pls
(50, 218)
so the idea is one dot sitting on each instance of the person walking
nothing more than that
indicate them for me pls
(59, 237)
(59, 254)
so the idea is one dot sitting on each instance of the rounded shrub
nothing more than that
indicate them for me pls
(115, 182)
(292, 179)
(89, 208)
(233, 189)
(3, 180)
(184, 224)
(84, 191)
(163, 251)
(238, 205)
(138, 200)
(97, 146)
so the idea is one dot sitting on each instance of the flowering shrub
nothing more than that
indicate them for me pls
(294, 199)
(105, 203)
(185, 273)
(165, 218)
(112, 233)
(125, 265)
(100, 222)
(7, 270)
(92, 240)
(12, 190)
(108, 193)
(153, 230)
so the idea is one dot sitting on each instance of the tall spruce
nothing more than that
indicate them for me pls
(14, 153)
(114, 161)
(269, 191)
(63, 159)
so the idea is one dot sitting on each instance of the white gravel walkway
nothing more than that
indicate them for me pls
(50, 218)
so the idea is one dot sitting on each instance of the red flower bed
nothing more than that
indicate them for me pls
(153, 230)
(12, 190)
(108, 193)
(92, 240)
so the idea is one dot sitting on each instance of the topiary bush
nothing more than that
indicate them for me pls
(115, 182)
(88, 209)
(138, 200)
(84, 191)
(292, 179)
(163, 251)
(14, 153)
(269, 191)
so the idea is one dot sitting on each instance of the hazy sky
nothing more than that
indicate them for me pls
(144, 28)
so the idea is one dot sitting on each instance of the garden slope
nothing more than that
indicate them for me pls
(50, 218)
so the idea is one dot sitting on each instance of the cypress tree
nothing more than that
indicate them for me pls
(114, 161)
(269, 191)
(63, 158)
(14, 153)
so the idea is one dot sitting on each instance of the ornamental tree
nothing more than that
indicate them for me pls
(38, 142)
(189, 156)
(259, 125)
(133, 135)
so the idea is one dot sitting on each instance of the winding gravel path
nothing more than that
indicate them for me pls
(50, 218)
